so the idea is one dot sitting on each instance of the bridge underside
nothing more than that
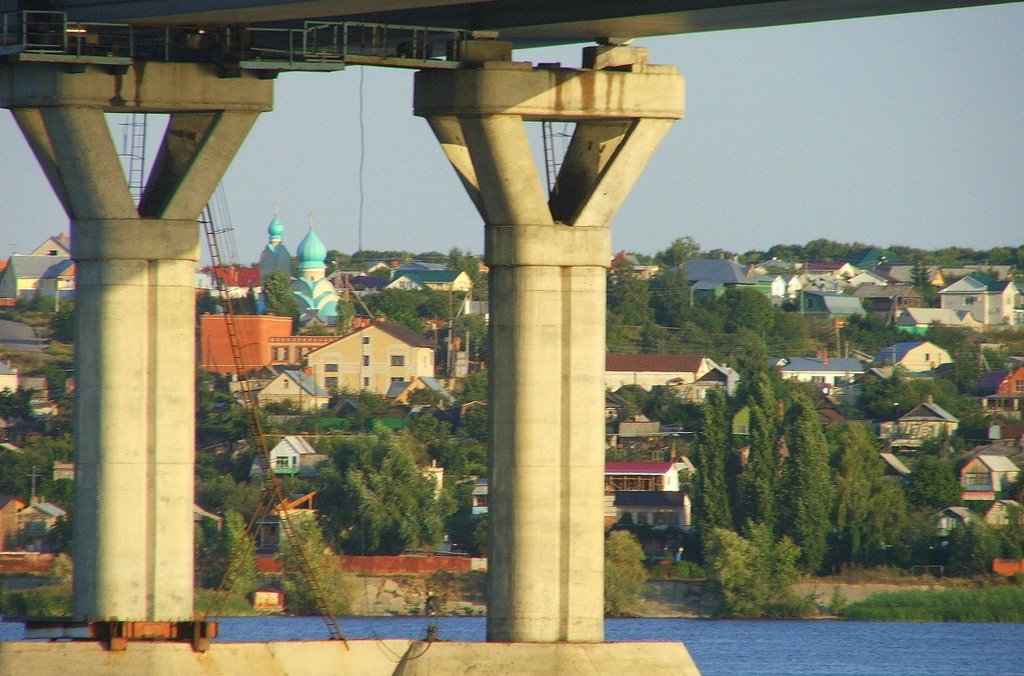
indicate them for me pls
(526, 23)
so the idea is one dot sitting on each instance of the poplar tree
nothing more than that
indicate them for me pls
(807, 484)
(870, 510)
(711, 494)
(758, 482)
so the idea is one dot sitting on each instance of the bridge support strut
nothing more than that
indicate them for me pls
(548, 256)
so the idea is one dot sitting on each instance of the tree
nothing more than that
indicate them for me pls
(972, 548)
(807, 486)
(374, 498)
(624, 574)
(278, 295)
(628, 298)
(240, 576)
(678, 252)
(933, 484)
(755, 574)
(870, 510)
(745, 308)
(323, 563)
(711, 450)
(759, 481)
(670, 297)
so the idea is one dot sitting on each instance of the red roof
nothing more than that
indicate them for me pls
(823, 265)
(637, 467)
(657, 363)
(238, 276)
(268, 565)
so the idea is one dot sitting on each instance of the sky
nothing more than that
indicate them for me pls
(897, 130)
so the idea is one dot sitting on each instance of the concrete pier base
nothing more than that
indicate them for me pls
(359, 658)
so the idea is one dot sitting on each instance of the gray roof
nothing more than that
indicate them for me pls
(929, 411)
(307, 383)
(998, 463)
(39, 267)
(837, 365)
(716, 271)
(838, 303)
(893, 354)
(895, 464)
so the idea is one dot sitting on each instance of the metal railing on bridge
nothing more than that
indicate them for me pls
(317, 45)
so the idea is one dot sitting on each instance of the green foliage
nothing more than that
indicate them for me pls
(990, 604)
(972, 548)
(754, 575)
(278, 295)
(933, 484)
(807, 484)
(474, 387)
(62, 323)
(240, 576)
(624, 574)
(628, 298)
(678, 252)
(870, 509)
(746, 309)
(47, 601)
(758, 484)
(408, 308)
(337, 587)
(374, 498)
(711, 452)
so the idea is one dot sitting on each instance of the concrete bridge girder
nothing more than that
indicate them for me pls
(547, 258)
(134, 359)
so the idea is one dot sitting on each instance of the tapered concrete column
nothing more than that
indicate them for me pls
(547, 256)
(135, 311)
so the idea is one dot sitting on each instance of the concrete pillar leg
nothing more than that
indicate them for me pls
(547, 305)
(134, 360)
(135, 457)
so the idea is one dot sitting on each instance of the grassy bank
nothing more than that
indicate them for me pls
(992, 604)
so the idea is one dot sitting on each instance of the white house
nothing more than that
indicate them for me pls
(988, 300)
(292, 456)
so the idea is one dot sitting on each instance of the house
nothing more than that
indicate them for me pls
(372, 358)
(869, 257)
(952, 517)
(10, 507)
(660, 509)
(644, 476)
(925, 421)
(36, 521)
(832, 304)
(866, 278)
(712, 276)
(836, 274)
(271, 531)
(650, 370)
(1002, 511)
(1002, 392)
(479, 497)
(629, 261)
(989, 301)
(614, 405)
(917, 320)
(823, 371)
(887, 300)
(913, 356)
(296, 387)
(292, 350)
(237, 280)
(254, 333)
(57, 246)
(401, 391)
(904, 272)
(639, 426)
(719, 377)
(28, 276)
(436, 280)
(291, 456)
(987, 477)
(8, 377)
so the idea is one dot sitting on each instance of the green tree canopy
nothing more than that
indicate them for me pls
(624, 574)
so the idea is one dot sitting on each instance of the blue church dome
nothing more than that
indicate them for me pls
(276, 228)
(311, 252)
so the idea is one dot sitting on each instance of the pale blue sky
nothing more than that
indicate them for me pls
(891, 130)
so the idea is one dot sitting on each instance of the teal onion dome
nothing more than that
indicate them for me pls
(275, 229)
(311, 252)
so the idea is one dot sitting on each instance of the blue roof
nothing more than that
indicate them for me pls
(893, 354)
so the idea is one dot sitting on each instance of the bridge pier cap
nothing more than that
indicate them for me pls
(615, 82)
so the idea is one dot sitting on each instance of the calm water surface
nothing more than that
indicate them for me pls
(719, 646)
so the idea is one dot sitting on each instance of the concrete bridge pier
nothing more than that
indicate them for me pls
(134, 358)
(548, 256)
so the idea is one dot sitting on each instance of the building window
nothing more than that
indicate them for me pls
(1018, 386)
(970, 300)
(641, 517)
(366, 360)
(366, 382)
(366, 340)
(331, 382)
(397, 360)
(397, 379)
(331, 368)
(818, 380)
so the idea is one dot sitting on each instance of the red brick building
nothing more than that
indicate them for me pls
(254, 332)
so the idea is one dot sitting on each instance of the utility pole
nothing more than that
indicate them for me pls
(34, 475)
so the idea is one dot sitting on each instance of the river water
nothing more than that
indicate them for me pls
(719, 646)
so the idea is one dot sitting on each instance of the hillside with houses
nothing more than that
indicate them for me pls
(863, 405)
